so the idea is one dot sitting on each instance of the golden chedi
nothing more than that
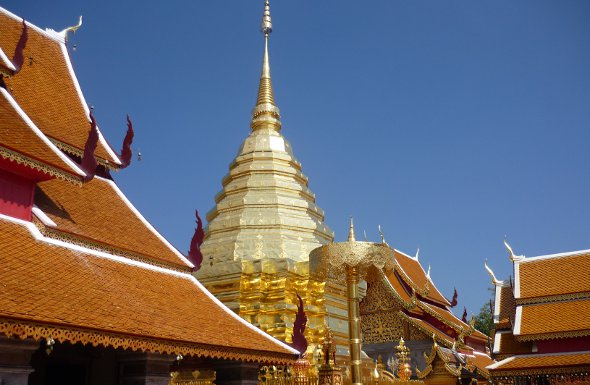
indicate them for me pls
(263, 226)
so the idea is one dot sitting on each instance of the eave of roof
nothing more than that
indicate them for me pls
(94, 297)
(535, 364)
(428, 329)
(552, 277)
(99, 216)
(552, 320)
(506, 344)
(23, 142)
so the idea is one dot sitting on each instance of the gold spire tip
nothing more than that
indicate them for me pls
(351, 237)
(266, 113)
(266, 19)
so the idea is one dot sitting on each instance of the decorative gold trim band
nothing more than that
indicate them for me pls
(78, 152)
(540, 371)
(553, 336)
(37, 165)
(98, 246)
(552, 298)
(38, 331)
(425, 330)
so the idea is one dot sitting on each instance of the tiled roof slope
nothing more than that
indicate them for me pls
(430, 330)
(416, 307)
(413, 270)
(505, 307)
(449, 318)
(46, 87)
(553, 319)
(564, 274)
(505, 344)
(6, 66)
(397, 286)
(481, 362)
(17, 135)
(116, 302)
(98, 212)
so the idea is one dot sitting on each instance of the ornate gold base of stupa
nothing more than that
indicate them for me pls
(264, 292)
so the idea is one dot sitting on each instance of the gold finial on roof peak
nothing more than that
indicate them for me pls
(266, 113)
(351, 237)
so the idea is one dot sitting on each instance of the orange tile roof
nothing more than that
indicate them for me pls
(79, 296)
(539, 361)
(97, 212)
(506, 308)
(45, 88)
(481, 362)
(414, 271)
(397, 286)
(18, 136)
(547, 320)
(428, 329)
(558, 275)
(506, 344)
(449, 318)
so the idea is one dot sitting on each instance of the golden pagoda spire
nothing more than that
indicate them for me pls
(266, 113)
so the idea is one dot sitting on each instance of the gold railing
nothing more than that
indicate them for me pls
(285, 375)
(193, 377)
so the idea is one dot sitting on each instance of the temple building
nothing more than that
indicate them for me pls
(402, 301)
(542, 327)
(257, 250)
(90, 292)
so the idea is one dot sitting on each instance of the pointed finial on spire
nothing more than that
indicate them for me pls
(266, 113)
(428, 273)
(351, 237)
(266, 20)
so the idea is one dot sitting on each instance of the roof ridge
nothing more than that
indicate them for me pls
(49, 33)
(557, 255)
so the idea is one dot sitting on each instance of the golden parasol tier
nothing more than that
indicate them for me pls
(351, 260)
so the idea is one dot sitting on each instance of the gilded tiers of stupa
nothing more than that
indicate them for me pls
(264, 225)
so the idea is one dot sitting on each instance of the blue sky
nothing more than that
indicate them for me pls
(450, 123)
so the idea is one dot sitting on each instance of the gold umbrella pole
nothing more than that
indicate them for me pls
(354, 324)
(352, 259)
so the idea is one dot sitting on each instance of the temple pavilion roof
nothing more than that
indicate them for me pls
(47, 89)
(423, 305)
(52, 288)
(541, 317)
(101, 216)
